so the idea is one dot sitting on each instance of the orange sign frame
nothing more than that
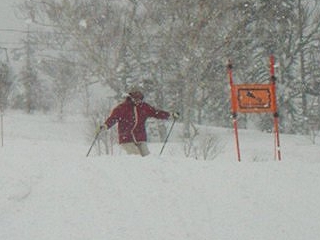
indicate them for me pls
(253, 98)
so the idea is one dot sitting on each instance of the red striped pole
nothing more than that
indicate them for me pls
(275, 114)
(234, 109)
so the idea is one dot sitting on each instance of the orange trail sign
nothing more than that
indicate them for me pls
(253, 98)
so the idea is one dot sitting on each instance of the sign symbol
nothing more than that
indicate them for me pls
(251, 95)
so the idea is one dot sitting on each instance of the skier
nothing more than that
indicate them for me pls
(131, 116)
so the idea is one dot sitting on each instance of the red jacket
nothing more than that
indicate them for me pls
(131, 119)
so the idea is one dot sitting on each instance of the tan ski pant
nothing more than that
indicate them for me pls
(140, 148)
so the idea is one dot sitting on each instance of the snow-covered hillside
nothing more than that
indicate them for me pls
(50, 190)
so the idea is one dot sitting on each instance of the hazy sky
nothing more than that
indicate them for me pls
(9, 24)
(10, 28)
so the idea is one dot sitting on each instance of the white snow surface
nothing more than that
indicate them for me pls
(50, 190)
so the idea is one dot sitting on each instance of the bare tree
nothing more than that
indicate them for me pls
(178, 49)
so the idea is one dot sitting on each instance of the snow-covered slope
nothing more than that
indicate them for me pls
(50, 190)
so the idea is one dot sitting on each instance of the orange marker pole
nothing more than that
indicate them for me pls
(234, 109)
(275, 112)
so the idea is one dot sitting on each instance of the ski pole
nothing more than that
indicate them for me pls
(166, 140)
(94, 141)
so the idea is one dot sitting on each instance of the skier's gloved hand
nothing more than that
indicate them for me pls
(103, 127)
(175, 115)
